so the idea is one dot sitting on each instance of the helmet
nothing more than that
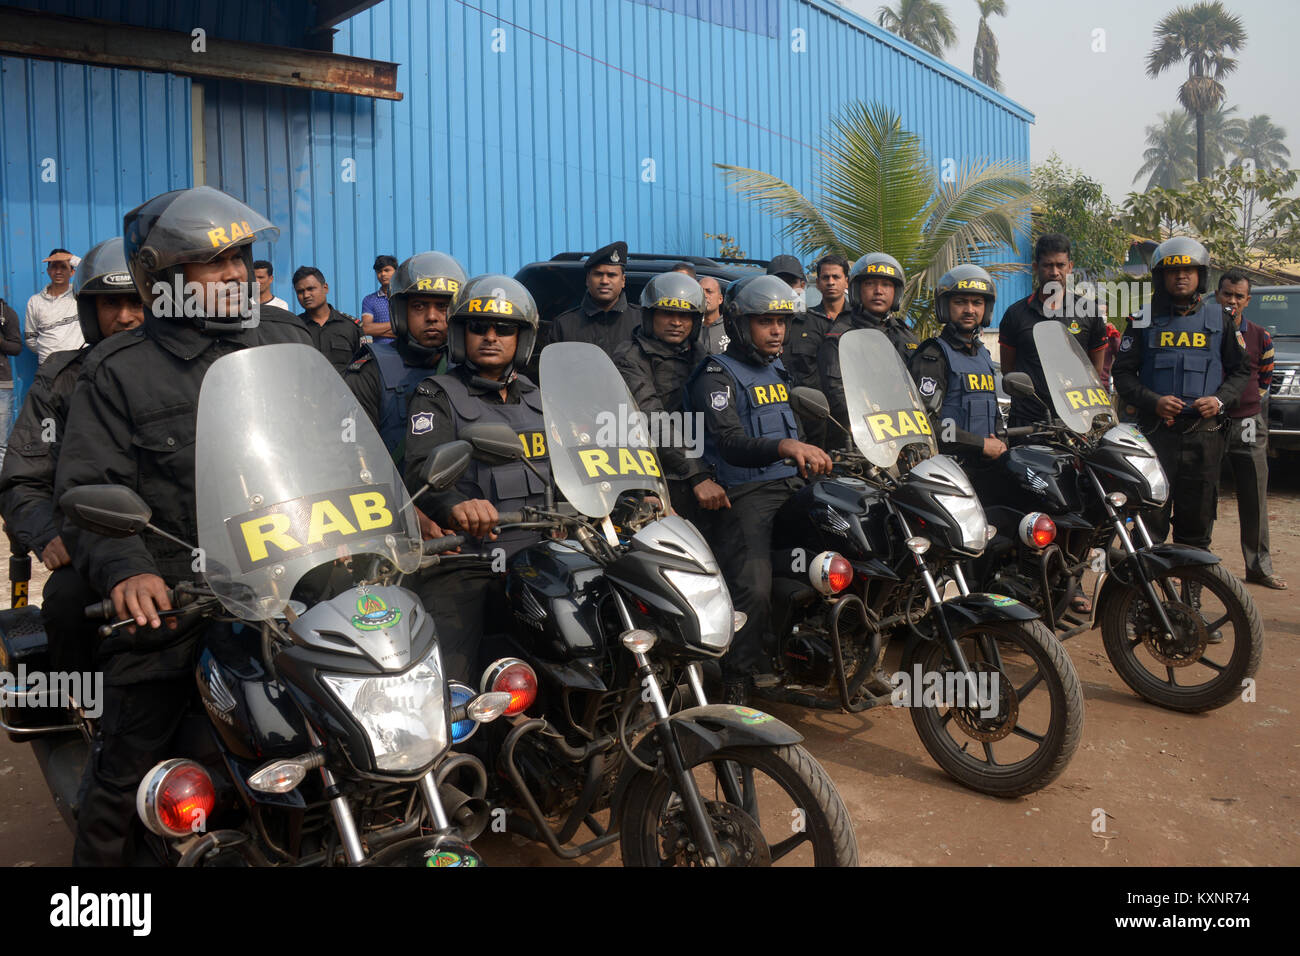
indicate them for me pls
(966, 278)
(102, 272)
(1180, 251)
(188, 225)
(672, 292)
(431, 273)
(877, 264)
(501, 299)
(755, 295)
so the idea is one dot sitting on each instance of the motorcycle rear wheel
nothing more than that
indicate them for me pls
(1037, 685)
(1225, 607)
(787, 802)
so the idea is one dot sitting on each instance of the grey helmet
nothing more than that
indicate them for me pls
(750, 296)
(102, 272)
(497, 298)
(966, 278)
(1180, 251)
(425, 273)
(877, 264)
(672, 292)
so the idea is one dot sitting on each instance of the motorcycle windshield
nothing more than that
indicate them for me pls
(600, 443)
(290, 474)
(885, 410)
(1075, 391)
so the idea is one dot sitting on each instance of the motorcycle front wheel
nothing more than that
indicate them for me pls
(768, 805)
(1019, 733)
(1186, 672)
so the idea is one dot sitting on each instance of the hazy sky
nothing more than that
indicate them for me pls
(1092, 108)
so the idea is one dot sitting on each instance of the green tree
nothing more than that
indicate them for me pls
(1170, 156)
(879, 192)
(1069, 202)
(923, 22)
(1202, 35)
(1260, 145)
(985, 67)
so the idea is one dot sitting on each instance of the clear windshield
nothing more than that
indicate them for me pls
(599, 443)
(1073, 387)
(290, 474)
(885, 410)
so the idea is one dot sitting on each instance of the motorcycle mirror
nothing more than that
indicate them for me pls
(809, 403)
(114, 511)
(494, 443)
(1018, 385)
(447, 463)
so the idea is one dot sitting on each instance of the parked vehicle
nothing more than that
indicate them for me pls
(1277, 310)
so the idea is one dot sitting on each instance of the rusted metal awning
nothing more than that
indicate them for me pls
(106, 43)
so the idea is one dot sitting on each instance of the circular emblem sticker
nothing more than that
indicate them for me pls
(373, 614)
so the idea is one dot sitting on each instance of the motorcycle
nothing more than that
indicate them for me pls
(1180, 631)
(322, 729)
(608, 626)
(863, 556)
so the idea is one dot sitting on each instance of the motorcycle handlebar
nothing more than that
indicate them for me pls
(100, 610)
(1020, 431)
(439, 545)
(510, 517)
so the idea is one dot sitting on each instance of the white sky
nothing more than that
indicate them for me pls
(1092, 108)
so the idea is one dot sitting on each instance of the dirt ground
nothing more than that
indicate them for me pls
(1221, 788)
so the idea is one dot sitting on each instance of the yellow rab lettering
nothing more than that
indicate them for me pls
(326, 517)
(369, 507)
(1087, 398)
(648, 463)
(975, 382)
(1183, 340)
(889, 425)
(273, 529)
(218, 237)
(593, 459)
(767, 394)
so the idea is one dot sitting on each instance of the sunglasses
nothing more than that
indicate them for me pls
(503, 329)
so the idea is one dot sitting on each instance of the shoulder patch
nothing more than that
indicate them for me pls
(928, 386)
(357, 365)
(718, 400)
(713, 367)
(422, 423)
(1126, 343)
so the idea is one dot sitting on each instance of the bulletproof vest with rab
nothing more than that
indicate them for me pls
(399, 380)
(1182, 354)
(970, 400)
(763, 403)
(513, 485)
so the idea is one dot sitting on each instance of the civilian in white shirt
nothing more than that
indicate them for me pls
(52, 324)
(265, 275)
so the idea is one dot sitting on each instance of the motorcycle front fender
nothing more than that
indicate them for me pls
(964, 610)
(1158, 560)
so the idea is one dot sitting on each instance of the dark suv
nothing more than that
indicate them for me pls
(1277, 309)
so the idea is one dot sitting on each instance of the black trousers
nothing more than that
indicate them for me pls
(458, 600)
(741, 538)
(72, 638)
(1248, 456)
(1191, 461)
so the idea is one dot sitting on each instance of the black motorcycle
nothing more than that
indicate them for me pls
(323, 722)
(864, 556)
(608, 626)
(1180, 630)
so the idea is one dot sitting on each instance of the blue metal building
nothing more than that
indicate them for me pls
(523, 128)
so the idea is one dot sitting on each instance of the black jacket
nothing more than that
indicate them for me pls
(828, 364)
(363, 377)
(608, 329)
(339, 339)
(11, 339)
(930, 370)
(656, 375)
(27, 479)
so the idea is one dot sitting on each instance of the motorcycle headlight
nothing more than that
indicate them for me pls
(969, 516)
(1153, 474)
(404, 715)
(708, 596)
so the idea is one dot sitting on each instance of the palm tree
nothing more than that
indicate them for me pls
(1201, 35)
(985, 67)
(1262, 143)
(881, 194)
(923, 22)
(1170, 156)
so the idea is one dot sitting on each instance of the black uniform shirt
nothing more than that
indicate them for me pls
(338, 339)
(608, 329)
(656, 375)
(930, 370)
(1017, 331)
(830, 376)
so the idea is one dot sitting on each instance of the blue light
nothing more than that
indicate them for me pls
(461, 730)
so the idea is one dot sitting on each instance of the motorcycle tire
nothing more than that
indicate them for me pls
(1128, 651)
(654, 821)
(1035, 659)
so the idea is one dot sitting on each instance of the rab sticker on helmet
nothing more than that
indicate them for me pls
(498, 306)
(440, 284)
(978, 285)
(238, 230)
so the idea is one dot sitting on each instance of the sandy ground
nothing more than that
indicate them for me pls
(1201, 790)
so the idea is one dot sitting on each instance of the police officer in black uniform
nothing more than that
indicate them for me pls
(491, 334)
(749, 428)
(1180, 366)
(132, 422)
(604, 317)
(663, 353)
(875, 291)
(384, 376)
(107, 303)
(954, 371)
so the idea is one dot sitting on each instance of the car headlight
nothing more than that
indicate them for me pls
(404, 715)
(1286, 383)
(1149, 468)
(708, 596)
(969, 515)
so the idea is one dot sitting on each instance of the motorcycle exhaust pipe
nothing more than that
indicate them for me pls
(468, 814)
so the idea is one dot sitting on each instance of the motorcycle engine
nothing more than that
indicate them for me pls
(807, 658)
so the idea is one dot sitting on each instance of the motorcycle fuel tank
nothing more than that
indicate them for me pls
(1041, 479)
(553, 592)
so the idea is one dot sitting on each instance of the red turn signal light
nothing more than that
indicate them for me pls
(175, 798)
(1037, 530)
(830, 572)
(512, 676)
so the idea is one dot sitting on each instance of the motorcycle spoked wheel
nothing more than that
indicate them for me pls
(1187, 674)
(789, 813)
(1038, 722)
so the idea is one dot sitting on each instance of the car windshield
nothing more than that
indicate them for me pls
(290, 474)
(1072, 383)
(884, 407)
(1278, 312)
(599, 443)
